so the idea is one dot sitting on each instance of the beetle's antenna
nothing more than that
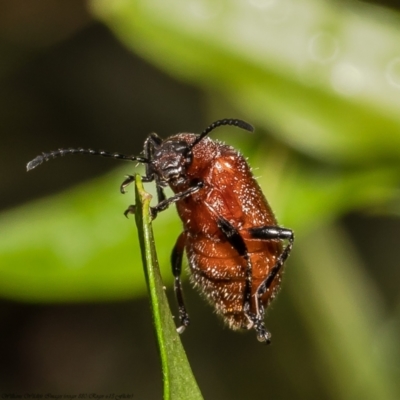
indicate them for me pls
(235, 122)
(62, 152)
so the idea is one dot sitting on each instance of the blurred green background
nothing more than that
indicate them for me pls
(320, 80)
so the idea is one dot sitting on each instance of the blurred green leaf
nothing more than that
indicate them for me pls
(75, 246)
(304, 195)
(323, 77)
(179, 382)
(344, 314)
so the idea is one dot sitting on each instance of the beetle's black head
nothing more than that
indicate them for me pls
(170, 161)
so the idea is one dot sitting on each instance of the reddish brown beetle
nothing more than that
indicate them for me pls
(230, 235)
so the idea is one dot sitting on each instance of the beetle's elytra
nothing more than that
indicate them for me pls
(230, 235)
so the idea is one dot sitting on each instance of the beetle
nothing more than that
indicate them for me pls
(231, 237)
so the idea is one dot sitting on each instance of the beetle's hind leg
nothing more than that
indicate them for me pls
(256, 320)
(176, 261)
(269, 233)
(273, 233)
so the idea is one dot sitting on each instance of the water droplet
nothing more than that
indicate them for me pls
(323, 47)
(347, 79)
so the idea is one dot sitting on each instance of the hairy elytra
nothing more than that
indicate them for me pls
(231, 237)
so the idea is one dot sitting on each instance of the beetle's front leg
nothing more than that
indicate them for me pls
(176, 262)
(163, 205)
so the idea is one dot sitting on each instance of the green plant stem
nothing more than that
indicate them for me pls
(178, 379)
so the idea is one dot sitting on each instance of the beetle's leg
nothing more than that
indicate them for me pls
(151, 142)
(163, 205)
(273, 233)
(176, 262)
(130, 210)
(236, 240)
(160, 191)
(129, 179)
(263, 335)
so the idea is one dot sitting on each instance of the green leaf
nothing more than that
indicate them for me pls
(76, 246)
(179, 382)
(320, 76)
(345, 318)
